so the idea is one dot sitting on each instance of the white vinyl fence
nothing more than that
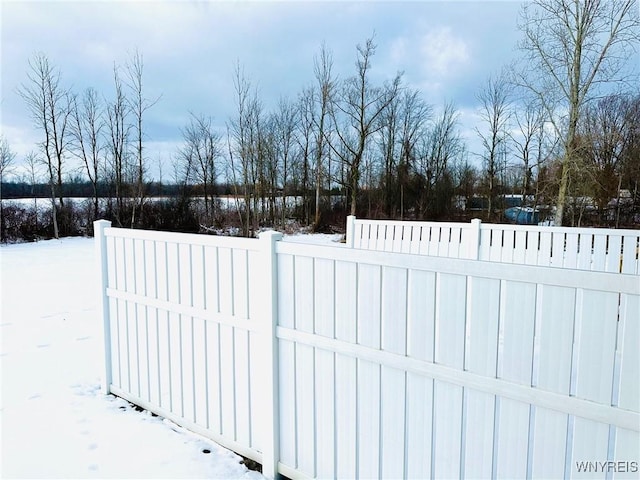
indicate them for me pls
(599, 249)
(328, 362)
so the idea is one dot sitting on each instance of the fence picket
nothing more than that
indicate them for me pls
(479, 423)
(599, 253)
(630, 254)
(419, 424)
(614, 253)
(421, 315)
(544, 252)
(369, 412)
(447, 430)
(325, 414)
(393, 423)
(549, 444)
(450, 320)
(571, 251)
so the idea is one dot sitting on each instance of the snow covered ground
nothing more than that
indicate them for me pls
(55, 421)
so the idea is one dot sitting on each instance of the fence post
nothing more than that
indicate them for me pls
(271, 445)
(99, 227)
(351, 224)
(473, 248)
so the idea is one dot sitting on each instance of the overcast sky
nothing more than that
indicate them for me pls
(447, 49)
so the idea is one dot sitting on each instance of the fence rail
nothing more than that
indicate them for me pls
(345, 363)
(603, 250)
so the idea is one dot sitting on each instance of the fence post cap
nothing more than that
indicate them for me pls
(270, 234)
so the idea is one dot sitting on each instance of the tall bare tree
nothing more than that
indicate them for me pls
(415, 114)
(573, 47)
(606, 133)
(494, 116)
(202, 152)
(117, 132)
(138, 106)
(246, 168)
(525, 138)
(326, 84)
(305, 138)
(50, 106)
(436, 153)
(284, 122)
(355, 114)
(87, 126)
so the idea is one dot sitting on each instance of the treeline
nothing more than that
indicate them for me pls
(551, 130)
(83, 189)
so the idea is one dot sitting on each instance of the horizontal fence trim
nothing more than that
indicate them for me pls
(555, 230)
(556, 276)
(240, 243)
(210, 315)
(503, 226)
(541, 398)
(189, 425)
(410, 224)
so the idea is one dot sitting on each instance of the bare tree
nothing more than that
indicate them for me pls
(117, 132)
(388, 144)
(525, 137)
(138, 106)
(244, 150)
(87, 127)
(285, 120)
(605, 135)
(322, 67)
(49, 104)
(572, 48)
(494, 114)
(436, 153)
(32, 173)
(305, 138)
(360, 104)
(415, 114)
(7, 156)
(202, 152)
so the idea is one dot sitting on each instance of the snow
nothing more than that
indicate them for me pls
(332, 239)
(55, 421)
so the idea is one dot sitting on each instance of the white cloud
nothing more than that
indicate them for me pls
(398, 50)
(443, 53)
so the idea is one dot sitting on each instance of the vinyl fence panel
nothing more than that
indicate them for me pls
(328, 362)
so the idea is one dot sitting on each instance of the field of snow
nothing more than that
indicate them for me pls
(55, 421)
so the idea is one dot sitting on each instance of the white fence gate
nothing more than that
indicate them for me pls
(599, 249)
(329, 362)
